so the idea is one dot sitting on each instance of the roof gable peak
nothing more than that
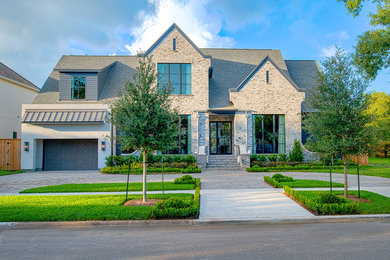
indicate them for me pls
(165, 35)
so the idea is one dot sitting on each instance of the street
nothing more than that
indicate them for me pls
(357, 240)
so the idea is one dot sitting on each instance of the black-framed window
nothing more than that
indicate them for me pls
(178, 75)
(78, 87)
(183, 145)
(269, 134)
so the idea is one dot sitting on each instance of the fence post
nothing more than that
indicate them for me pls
(330, 176)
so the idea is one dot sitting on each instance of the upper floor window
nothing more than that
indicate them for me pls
(267, 76)
(78, 87)
(174, 44)
(178, 75)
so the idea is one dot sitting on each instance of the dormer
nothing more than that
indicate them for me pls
(81, 84)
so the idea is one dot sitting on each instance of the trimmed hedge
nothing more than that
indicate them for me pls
(124, 168)
(186, 179)
(274, 183)
(189, 209)
(118, 160)
(344, 207)
(287, 168)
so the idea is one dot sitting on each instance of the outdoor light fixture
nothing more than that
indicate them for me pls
(26, 146)
(103, 145)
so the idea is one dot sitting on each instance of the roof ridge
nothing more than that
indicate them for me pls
(250, 49)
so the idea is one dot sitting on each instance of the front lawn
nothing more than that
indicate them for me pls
(75, 207)
(108, 187)
(379, 167)
(4, 172)
(298, 183)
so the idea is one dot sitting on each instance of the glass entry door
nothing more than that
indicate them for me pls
(220, 137)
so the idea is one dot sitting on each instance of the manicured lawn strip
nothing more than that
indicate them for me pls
(379, 205)
(379, 161)
(301, 183)
(3, 172)
(75, 207)
(363, 170)
(108, 187)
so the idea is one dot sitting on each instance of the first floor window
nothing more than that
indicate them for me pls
(78, 87)
(269, 135)
(183, 145)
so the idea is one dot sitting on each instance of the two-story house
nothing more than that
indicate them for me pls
(232, 103)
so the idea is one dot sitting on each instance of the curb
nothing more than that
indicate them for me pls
(193, 222)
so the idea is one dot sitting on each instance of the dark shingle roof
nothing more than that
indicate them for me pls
(8, 73)
(303, 73)
(230, 68)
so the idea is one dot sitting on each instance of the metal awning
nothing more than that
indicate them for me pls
(64, 116)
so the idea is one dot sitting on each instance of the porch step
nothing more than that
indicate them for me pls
(223, 162)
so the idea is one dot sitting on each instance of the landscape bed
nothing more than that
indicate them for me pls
(297, 183)
(5, 172)
(374, 204)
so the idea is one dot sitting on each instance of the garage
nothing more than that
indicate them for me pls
(74, 154)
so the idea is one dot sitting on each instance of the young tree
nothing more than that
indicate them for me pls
(144, 115)
(340, 127)
(373, 46)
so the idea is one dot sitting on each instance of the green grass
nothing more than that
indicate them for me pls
(379, 204)
(108, 187)
(299, 183)
(75, 207)
(379, 167)
(4, 172)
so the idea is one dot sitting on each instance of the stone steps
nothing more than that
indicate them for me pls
(223, 162)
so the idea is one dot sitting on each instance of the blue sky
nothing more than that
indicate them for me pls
(35, 34)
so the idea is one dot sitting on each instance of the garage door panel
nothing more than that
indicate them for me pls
(70, 155)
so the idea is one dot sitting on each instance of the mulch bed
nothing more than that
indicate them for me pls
(149, 202)
(355, 198)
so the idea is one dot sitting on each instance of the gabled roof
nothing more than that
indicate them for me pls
(10, 74)
(165, 35)
(258, 67)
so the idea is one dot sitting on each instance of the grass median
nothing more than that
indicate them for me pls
(108, 187)
(4, 172)
(75, 207)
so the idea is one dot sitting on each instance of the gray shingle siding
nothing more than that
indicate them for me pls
(65, 83)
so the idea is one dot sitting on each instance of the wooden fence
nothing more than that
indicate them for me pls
(10, 154)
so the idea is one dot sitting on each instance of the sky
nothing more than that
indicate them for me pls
(35, 34)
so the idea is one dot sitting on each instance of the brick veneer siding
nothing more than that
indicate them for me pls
(198, 100)
(277, 97)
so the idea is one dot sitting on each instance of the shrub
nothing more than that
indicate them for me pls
(174, 202)
(330, 198)
(282, 158)
(282, 178)
(296, 155)
(109, 160)
(186, 179)
(272, 157)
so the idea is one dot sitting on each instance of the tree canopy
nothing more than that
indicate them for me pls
(372, 51)
(340, 127)
(143, 113)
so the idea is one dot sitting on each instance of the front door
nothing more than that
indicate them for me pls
(220, 137)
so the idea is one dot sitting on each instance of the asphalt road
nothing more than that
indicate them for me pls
(358, 240)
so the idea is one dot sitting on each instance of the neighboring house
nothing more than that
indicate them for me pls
(232, 102)
(14, 91)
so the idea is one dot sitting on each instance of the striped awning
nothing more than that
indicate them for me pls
(64, 116)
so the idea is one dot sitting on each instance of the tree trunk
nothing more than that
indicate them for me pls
(345, 180)
(144, 177)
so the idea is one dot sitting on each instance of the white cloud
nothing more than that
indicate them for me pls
(191, 16)
(328, 51)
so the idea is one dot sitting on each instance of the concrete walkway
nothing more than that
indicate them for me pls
(239, 204)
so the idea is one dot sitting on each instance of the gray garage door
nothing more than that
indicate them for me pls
(70, 155)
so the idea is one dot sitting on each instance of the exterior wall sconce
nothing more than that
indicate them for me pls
(26, 146)
(103, 146)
